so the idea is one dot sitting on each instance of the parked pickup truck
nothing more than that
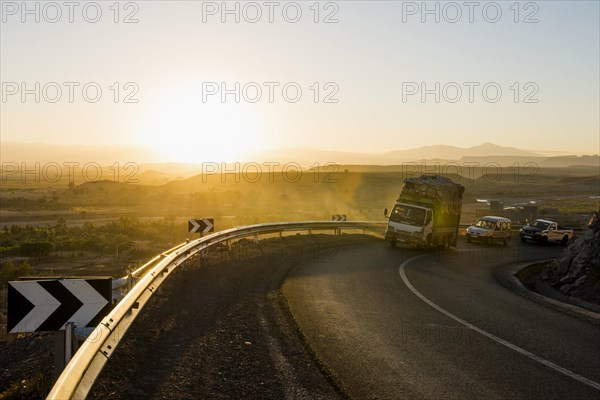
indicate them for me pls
(545, 231)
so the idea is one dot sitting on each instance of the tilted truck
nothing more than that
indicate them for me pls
(427, 213)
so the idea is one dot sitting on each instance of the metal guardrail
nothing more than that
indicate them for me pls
(79, 375)
(121, 285)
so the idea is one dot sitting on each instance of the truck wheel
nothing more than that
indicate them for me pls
(523, 240)
(443, 244)
(564, 240)
(545, 240)
(393, 243)
(468, 239)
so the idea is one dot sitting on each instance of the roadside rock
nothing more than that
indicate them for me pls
(577, 272)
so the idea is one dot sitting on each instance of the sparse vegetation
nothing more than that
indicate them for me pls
(125, 240)
(10, 271)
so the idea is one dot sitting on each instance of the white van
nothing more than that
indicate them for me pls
(490, 229)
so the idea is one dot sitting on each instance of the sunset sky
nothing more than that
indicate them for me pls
(371, 66)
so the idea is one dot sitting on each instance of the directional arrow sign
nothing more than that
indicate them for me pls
(338, 217)
(48, 304)
(201, 225)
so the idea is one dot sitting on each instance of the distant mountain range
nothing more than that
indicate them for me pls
(307, 156)
(148, 160)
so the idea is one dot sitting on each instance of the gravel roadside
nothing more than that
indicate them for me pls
(219, 330)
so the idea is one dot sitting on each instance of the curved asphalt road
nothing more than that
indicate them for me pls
(456, 334)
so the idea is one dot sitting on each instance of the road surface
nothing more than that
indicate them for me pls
(391, 323)
(287, 317)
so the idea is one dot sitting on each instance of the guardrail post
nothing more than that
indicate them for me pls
(65, 345)
(69, 336)
(203, 258)
(129, 282)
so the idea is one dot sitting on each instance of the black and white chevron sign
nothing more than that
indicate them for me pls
(48, 304)
(201, 225)
(338, 217)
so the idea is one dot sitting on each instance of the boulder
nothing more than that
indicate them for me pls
(577, 272)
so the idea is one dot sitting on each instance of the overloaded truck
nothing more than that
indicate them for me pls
(427, 213)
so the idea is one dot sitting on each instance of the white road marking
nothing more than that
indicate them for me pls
(503, 342)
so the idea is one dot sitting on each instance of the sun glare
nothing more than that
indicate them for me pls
(182, 128)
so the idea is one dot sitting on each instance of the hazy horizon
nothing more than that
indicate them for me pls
(26, 155)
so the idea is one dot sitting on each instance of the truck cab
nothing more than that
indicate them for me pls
(553, 233)
(409, 224)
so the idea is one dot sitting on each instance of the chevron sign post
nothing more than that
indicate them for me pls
(48, 304)
(338, 217)
(201, 225)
